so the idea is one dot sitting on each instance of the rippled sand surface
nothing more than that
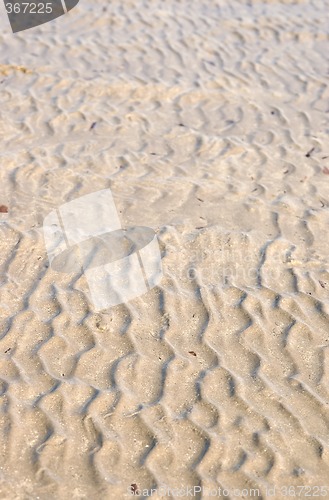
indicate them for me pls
(209, 122)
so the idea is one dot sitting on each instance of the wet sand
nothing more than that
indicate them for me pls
(209, 123)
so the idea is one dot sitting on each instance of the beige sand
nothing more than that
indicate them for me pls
(205, 113)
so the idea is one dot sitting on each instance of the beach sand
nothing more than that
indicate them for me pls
(209, 123)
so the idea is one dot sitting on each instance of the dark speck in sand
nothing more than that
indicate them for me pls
(3, 209)
(308, 154)
(93, 125)
(134, 489)
(192, 352)
(322, 284)
(200, 199)
(298, 471)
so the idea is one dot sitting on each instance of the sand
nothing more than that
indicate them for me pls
(209, 123)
